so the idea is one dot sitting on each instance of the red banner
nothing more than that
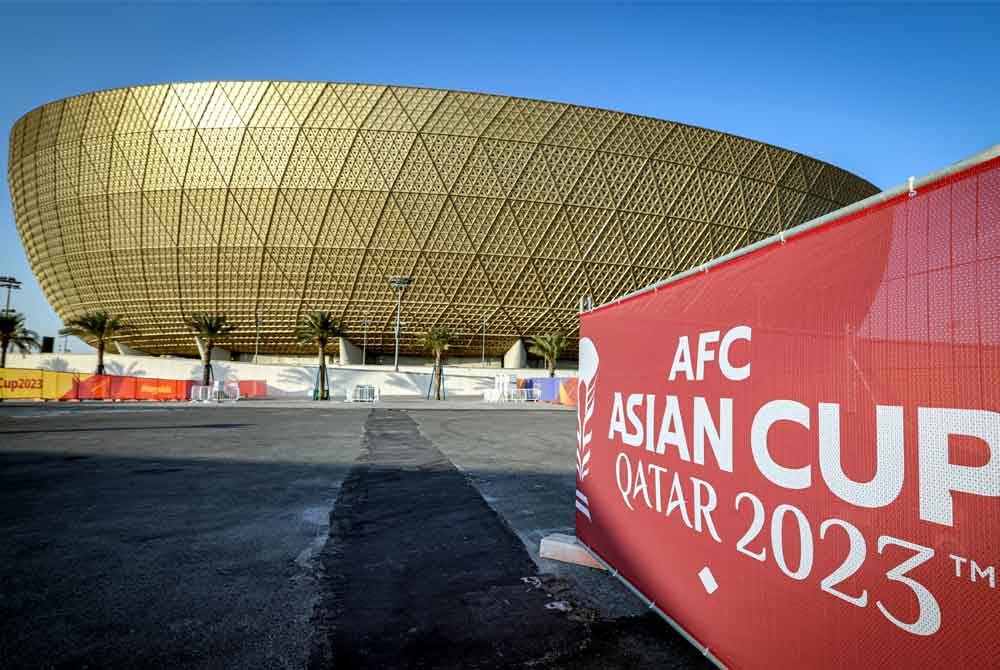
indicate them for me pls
(49, 385)
(93, 387)
(796, 454)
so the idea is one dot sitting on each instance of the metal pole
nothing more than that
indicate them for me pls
(399, 306)
(399, 285)
(484, 342)
(9, 283)
(364, 343)
(256, 348)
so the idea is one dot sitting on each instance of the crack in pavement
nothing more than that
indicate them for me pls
(419, 571)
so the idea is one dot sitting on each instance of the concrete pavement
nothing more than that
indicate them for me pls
(170, 535)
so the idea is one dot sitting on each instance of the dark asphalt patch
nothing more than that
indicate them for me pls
(156, 471)
(634, 643)
(419, 572)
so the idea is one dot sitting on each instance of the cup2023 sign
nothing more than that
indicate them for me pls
(796, 454)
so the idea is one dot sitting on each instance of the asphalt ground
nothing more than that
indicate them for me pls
(289, 535)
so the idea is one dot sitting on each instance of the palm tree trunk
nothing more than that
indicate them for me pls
(322, 374)
(437, 364)
(206, 364)
(100, 358)
(3, 355)
(552, 367)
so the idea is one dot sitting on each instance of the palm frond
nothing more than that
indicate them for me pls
(317, 327)
(99, 326)
(438, 339)
(549, 347)
(13, 333)
(209, 326)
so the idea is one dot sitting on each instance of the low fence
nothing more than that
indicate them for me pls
(17, 384)
(363, 393)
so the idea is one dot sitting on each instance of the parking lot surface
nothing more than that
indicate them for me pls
(295, 535)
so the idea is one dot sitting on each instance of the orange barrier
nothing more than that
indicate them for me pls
(91, 387)
(18, 384)
(253, 388)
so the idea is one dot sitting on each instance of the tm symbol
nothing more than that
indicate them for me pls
(973, 571)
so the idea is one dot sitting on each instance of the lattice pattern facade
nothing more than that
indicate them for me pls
(275, 198)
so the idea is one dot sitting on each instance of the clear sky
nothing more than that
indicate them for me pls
(885, 91)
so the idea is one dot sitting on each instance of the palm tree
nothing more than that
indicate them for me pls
(438, 340)
(13, 332)
(318, 328)
(549, 347)
(98, 328)
(210, 328)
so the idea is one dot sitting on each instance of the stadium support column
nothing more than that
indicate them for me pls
(126, 350)
(349, 354)
(218, 353)
(516, 356)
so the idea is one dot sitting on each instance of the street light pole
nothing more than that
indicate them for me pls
(399, 284)
(364, 343)
(484, 342)
(399, 308)
(9, 283)
(256, 348)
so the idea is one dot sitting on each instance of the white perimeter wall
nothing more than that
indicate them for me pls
(283, 380)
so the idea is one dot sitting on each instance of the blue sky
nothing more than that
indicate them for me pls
(883, 90)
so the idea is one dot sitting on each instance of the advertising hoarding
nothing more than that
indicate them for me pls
(794, 454)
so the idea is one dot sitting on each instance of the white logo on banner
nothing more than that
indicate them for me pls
(585, 411)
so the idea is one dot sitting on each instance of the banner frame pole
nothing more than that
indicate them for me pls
(706, 652)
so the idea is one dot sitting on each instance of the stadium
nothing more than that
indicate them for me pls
(263, 200)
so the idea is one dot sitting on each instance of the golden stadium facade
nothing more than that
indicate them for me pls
(271, 198)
